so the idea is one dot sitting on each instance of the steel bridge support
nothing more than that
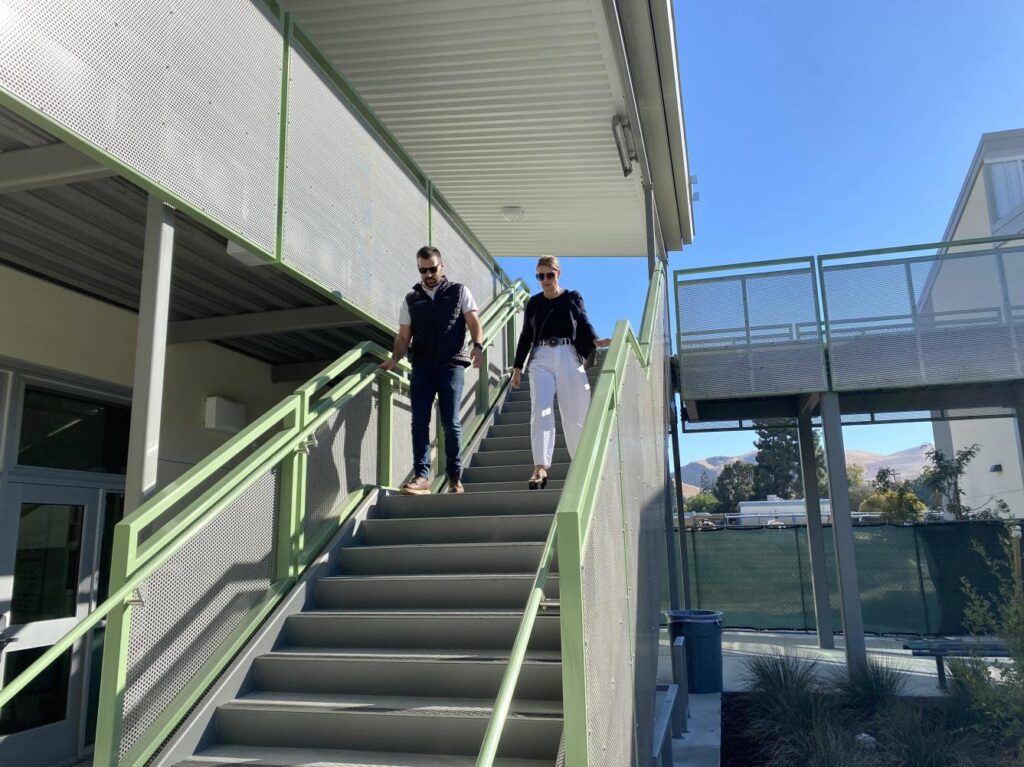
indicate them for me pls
(815, 537)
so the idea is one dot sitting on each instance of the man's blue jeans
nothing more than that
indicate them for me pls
(445, 380)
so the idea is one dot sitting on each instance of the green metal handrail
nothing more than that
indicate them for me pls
(568, 536)
(296, 419)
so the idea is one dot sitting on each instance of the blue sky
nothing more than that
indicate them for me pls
(817, 127)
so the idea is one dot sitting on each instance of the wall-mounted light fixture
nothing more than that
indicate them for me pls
(996, 468)
(624, 143)
(513, 213)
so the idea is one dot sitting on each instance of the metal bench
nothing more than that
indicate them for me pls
(964, 647)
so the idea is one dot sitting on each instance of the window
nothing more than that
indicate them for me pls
(1006, 181)
(61, 431)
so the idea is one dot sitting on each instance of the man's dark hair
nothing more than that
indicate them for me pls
(427, 252)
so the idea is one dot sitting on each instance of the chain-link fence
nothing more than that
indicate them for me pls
(911, 578)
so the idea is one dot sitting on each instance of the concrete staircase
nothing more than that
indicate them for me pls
(398, 662)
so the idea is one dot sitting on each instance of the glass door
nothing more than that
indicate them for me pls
(47, 559)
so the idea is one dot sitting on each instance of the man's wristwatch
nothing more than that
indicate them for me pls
(478, 345)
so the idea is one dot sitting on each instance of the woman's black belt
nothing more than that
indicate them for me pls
(555, 342)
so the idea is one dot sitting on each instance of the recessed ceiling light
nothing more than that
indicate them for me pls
(513, 213)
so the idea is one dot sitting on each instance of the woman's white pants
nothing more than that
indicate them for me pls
(556, 370)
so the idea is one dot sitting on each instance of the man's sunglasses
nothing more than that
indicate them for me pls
(428, 269)
(541, 276)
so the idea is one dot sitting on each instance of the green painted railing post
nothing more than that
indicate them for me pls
(292, 498)
(385, 431)
(483, 384)
(113, 680)
(510, 342)
(574, 683)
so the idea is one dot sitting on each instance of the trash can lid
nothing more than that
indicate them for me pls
(694, 615)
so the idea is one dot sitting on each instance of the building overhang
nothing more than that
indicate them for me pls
(508, 107)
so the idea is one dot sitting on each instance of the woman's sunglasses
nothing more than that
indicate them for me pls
(428, 269)
(541, 276)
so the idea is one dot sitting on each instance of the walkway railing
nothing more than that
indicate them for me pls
(609, 539)
(870, 319)
(197, 568)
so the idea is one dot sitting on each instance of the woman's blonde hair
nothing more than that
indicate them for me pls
(551, 262)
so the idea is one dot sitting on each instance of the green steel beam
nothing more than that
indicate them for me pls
(282, 151)
(385, 427)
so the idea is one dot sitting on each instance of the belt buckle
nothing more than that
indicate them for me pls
(551, 341)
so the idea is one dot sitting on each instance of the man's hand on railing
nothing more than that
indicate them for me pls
(517, 378)
(388, 365)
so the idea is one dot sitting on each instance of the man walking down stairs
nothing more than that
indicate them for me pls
(398, 662)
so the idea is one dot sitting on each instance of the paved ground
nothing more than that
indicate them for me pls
(737, 646)
(701, 746)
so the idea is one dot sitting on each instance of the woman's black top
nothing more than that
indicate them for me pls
(560, 317)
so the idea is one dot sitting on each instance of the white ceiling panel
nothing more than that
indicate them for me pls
(502, 103)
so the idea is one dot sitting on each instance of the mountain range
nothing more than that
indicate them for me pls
(907, 463)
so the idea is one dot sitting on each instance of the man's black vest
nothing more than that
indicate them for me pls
(438, 327)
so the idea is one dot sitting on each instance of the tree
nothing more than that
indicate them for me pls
(734, 484)
(703, 503)
(859, 489)
(707, 484)
(777, 464)
(819, 461)
(893, 500)
(943, 477)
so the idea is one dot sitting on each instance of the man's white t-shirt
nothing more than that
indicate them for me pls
(467, 305)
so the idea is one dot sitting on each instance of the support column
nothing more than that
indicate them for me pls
(652, 237)
(815, 537)
(684, 555)
(150, 348)
(842, 529)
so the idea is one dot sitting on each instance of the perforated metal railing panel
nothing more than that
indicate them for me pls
(606, 626)
(623, 566)
(352, 215)
(344, 458)
(186, 93)
(462, 262)
(750, 334)
(952, 318)
(195, 601)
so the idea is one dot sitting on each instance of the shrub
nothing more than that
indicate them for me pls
(995, 701)
(910, 738)
(872, 689)
(823, 744)
(785, 694)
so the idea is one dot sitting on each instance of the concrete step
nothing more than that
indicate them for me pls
(516, 430)
(525, 501)
(520, 406)
(250, 756)
(378, 723)
(486, 529)
(507, 487)
(518, 442)
(414, 676)
(418, 629)
(474, 474)
(514, 457)
(458, 591)
(514, 417)
(430, 559)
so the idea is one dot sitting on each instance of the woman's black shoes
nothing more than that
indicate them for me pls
(539, 480)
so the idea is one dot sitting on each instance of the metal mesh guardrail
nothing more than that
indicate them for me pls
(909, 577)
(229, 112)
(938, 319)
(623, 560)
(750, 333)
(885, 321)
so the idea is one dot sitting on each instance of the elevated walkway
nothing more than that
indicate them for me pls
(895, 334)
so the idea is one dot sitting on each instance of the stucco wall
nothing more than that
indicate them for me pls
(46, 325)
(961, 286)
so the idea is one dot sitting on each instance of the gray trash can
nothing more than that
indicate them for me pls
(702, 630)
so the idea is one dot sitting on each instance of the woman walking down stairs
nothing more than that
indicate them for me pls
(399, 660)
